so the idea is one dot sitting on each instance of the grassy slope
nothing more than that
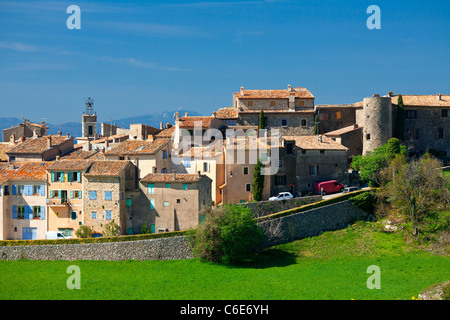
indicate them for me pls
(330, 266)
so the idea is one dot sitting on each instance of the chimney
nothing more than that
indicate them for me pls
(438, 96)
(67, 135)
(376, 95)
(49, 142)
(12, 139)
(59, 133)
(150, 137)
(289, 88)
(161, 125)
(57, 158)
(177, 116)
(174, 174)
(242, 91)
(35, 133)
(168, 125)
(214, 114)
(390, 94)
(186, 114)
(22, 138)
(199, 173)
(320, 139)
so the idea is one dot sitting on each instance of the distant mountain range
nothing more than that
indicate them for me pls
(74, 128)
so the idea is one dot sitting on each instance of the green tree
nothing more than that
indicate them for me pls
(418, 195)
(371, 165)
(84, 232)
(144, 228)
(258, 182)
(316, 125)
(111, 229)
(400, 120)
(228, 235)
(262, 120)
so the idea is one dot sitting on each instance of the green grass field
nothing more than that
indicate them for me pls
(330, 266)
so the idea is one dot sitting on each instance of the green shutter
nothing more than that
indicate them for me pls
(53, 177)
(59, 194)
(69, 176)
(71, 194)
(78, 176)
(79, 194)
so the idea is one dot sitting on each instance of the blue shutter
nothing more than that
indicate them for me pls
(42, 190)
(42, 212)
(28, 212)
(14, 189)
(108, 214)
(28, 190)
(14, 212)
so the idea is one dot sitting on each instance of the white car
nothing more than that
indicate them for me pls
(282, 196)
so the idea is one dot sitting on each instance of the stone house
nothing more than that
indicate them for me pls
(175, 201)
(65, 196)
(316, 158)
(26, 129)
(23, 195)
(350, 137)
(105, 187)
(44, 148)
(149, 156)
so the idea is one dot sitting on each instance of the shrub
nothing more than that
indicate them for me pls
(228, 235)
(111, 229)
(365, 201)
(84, 232)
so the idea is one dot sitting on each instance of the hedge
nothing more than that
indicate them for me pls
(94, 240)
(315, 205)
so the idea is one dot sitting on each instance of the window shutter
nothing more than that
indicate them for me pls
(42, 212)
(79, 194)
(14, 189)
(28, 190)
(78, 176)
(42, 190)
(14, 212)
(53, 176)
(69, 176)
(71, 194)
(29, 210)
(59, 194)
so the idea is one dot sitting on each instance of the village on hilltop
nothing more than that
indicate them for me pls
(162, 177)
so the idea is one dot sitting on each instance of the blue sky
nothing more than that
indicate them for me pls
(141, 57)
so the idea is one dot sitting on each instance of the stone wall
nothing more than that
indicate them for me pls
(297, 226)
(311, 223)
(263, 208)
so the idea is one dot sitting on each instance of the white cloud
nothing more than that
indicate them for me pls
(17, 46)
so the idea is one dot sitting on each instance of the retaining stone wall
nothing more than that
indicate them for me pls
(264, 208)
(297, 226)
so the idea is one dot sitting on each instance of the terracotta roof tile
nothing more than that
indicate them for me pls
(31, 170)
(4, 147)
(423, 100)
(68, 165)
(78, 154)
(108, 168)
(138, 147)
(340, 131)
(169, 177)
(275, 94)
(166, 133)
(227, 113)
(190, 122)
(36, 145)
(313, 143)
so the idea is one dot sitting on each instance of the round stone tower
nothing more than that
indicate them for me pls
(377, 117)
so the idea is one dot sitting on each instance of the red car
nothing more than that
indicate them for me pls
(327, 187)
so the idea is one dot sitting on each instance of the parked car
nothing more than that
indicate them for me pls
(350, 189)
(327, 187)
(282, 196)
(96, 235)
(52, 235)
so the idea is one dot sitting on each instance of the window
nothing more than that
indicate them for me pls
(36, 212)
(108, 214)
(187, 162)
(304, 123)
(167, 185)
(368, 136)
(20, 189)
(37, 189)
(323, 116)
(230, 123)
(444, 113)
(185, 186)
(411, 114)
(245, 170)
(151, 188)
(6, 191)
(314, 170)
(90, 130)
(93, 215)
(322, 151)
(301, 103)
(338, 115)
(205, 167)
(166, 203)
(264, 156)
(121, 158)
(440, 133)
(129, 202)
(93, 195)
(280, 180)
(58, 176)
(284, 123)
(74, 176)
(272, 103)
(280, 162)
(289, 147)
(108, 195)
(66, 232)
(178, 200)
(73, 215)
(152, 203)
(250, 103)
(163, 170)
(20, 212)
(164, 154)
(247, 187)
(75, 194)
